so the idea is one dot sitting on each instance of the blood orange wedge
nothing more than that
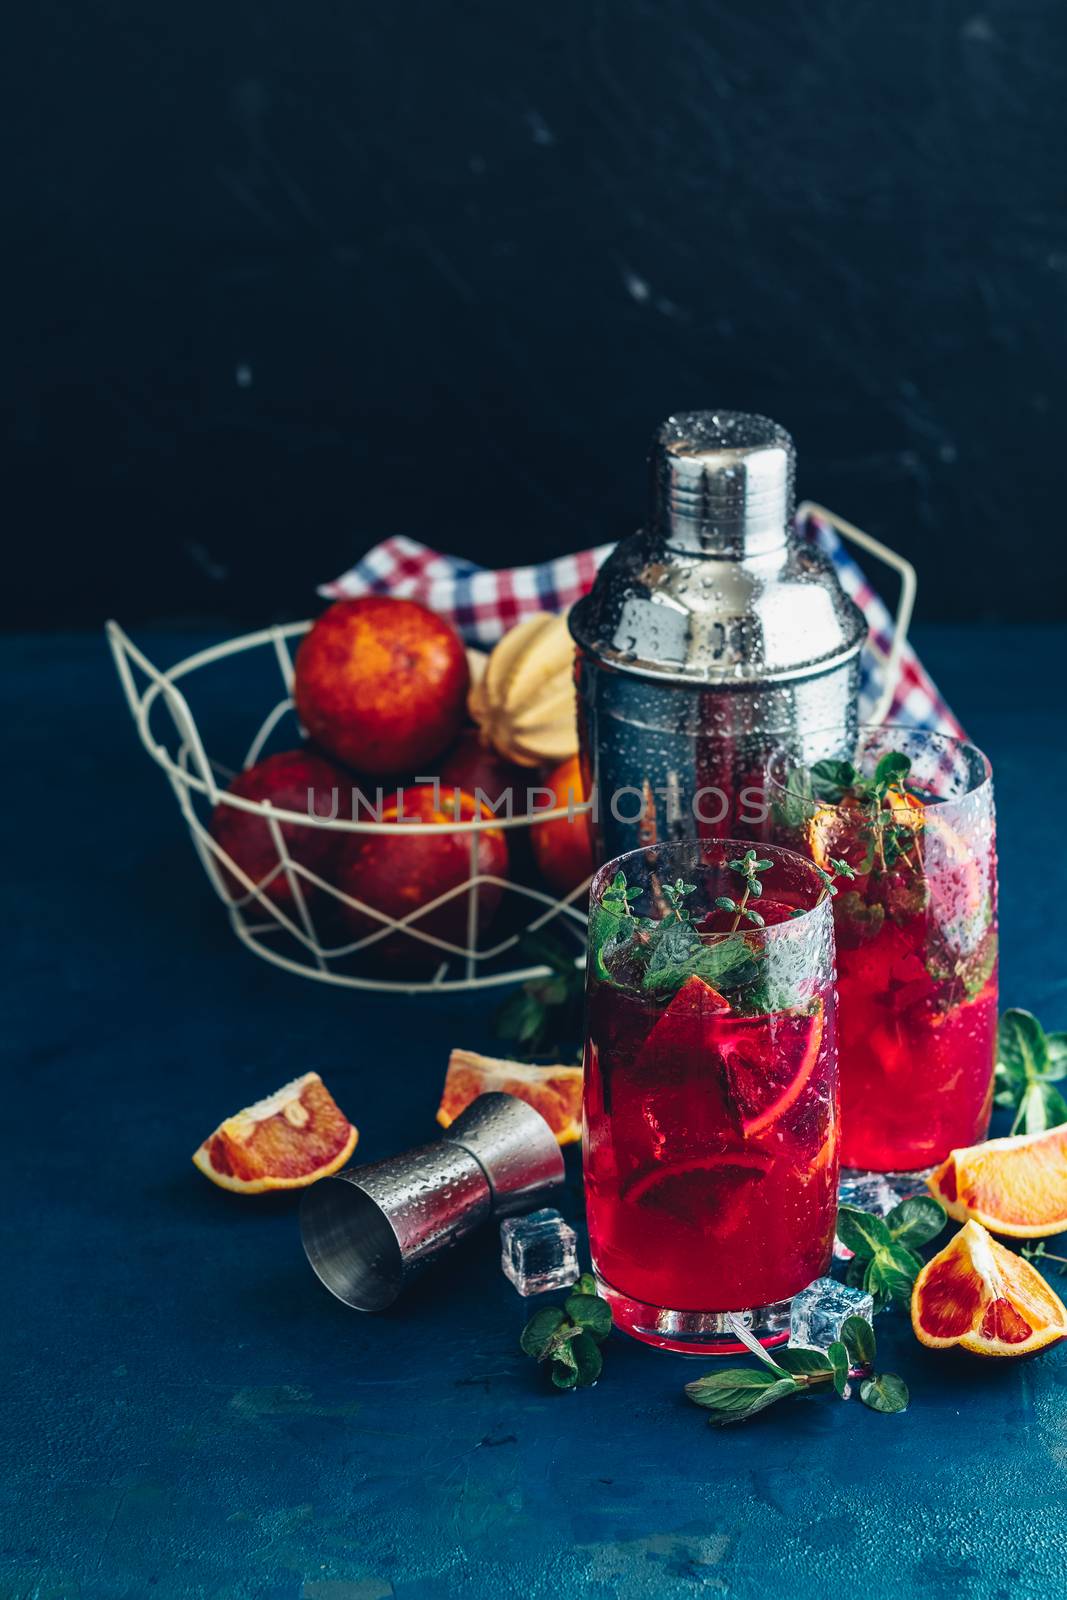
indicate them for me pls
(290, 1139)
(554, 1091)
(1015, 1186)
(753, 1068)
(977, 1294)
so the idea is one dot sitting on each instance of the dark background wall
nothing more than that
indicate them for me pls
(287, 278)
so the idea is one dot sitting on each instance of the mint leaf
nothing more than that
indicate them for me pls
(856, 1271)
(537, 1336)
(1022, 1049)
(716, 1388)
(861, 1231)
(678, 953)
(857, 1336)
(1057, 1055)
(916, 1221)
(565, 1367)
(831, 780)
(839, 1361)
(588, 1361)
(885, 1392)
(1042, 1106)
(738, 1392)
(674, 945)
(891, 1273)
(590, 1313)
(586, 1285)
(892, 768)
(800, 1363)
(1028, 1061)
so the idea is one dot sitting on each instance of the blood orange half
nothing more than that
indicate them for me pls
(977, 1294)
(556, 1092)
(290, 1139)
(1016, 1186)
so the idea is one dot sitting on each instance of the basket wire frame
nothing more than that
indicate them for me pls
(288, 938)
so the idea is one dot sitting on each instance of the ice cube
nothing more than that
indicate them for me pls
(539, 1252)
(817, 1312)
(867, 1191)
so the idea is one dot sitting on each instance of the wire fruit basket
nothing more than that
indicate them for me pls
(298, 931)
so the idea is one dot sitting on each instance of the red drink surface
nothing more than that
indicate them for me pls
(710, 1147)
(916, 1050)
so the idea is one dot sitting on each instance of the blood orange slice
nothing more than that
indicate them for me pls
(976, 1294)
(288, 1140)
(1015, 1186)
(709, 1190)
(768, 1062)
(556, 1092)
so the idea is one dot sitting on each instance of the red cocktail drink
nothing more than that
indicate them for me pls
(711, 1157)
(916, 940)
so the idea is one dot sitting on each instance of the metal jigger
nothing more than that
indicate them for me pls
(368, 1231)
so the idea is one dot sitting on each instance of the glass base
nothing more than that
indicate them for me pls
(695, 1333)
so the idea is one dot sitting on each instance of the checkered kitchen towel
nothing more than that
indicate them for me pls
(483, 604)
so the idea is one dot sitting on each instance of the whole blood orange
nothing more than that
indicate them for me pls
(288, 1140)
(382, 684)
(556, 1092)
(977, 1294)
(563, 848)
(292, 780)
(1015, 1186)
(397, 874)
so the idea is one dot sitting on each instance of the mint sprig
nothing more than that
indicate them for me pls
(748, 869)
(568, 1337)
(737, 1393)
(1029, 1062)
(884, 1260)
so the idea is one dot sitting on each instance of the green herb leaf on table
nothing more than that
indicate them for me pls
(738, 1392)
(862, 1231)
(536, 1338)
(1029, 1062)
(883, 1262)
(569, 1337)
(590, 1313)
(1038, 1252)
(588, 1361)
(885, 1392)
(801, 1363)
(839, 1360)
(891, 1275)
(915, 1221)
(857, 1336)
(564, 1369)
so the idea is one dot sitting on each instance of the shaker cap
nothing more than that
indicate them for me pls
(717, 589)
(722, 483)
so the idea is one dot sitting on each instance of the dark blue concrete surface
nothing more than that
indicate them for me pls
(188, 1413)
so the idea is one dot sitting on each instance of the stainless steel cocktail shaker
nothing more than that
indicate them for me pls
(710, 637)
